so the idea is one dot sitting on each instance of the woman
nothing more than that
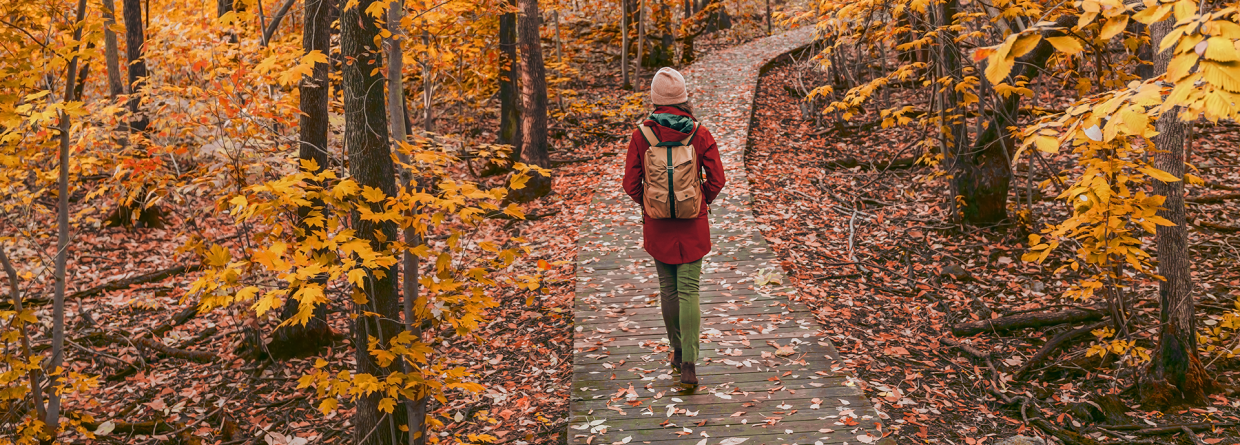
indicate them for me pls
(677, 244)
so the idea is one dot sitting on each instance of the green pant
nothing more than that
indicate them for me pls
(678, 298)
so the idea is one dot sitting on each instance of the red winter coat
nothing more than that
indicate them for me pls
(675, 241)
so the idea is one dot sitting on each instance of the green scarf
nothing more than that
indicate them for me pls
(673, 121)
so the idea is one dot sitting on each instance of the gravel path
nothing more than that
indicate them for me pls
(768, 371)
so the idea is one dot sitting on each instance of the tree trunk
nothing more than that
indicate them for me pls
(278, 17)
(370, 164)
(126, 214)
(534, 104)
(428, 117)
(116, 86)
(1175, 375)
(1145, 53)
(134, 41)
(415, 409)
(510, 110)
(768, 17)
(308, 339)
(223, 7)
(624, 44)
(62, 235)
(641, 38)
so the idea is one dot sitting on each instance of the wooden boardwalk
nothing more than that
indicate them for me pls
(767, 370)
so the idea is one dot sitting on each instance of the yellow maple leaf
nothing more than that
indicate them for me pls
(373, 194)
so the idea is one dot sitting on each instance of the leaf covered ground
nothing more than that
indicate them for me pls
(869, 249)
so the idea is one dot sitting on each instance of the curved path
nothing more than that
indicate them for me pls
(767, 368)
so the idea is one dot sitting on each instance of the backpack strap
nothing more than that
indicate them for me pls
(696, 126)
(649, 134)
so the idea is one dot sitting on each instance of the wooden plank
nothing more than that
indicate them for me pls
(756, 435)
(697, 397)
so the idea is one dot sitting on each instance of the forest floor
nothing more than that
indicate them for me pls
(868, 246)
(523, 356)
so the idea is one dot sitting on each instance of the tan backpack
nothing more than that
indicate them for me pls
(672, 186)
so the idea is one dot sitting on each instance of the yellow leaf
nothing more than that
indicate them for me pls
(1150, 15)
(309, 165)
(1025, 43)
(1185, 10)
(518, 181)
(1137, 122)
(239, 202)
(344, 189)
(1047, 144)
(1159, 174)
(357, 277)
(373, 194)
(218, 256)
(387, 405)
(1114, 26)
(1066, 44)
(1180, 66)
(1221, 50)
(997, 68)
(227, 19)
(314, 57)
(328, 405)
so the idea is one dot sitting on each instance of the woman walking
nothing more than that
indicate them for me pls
(668, 154)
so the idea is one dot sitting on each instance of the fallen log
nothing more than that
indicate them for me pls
(1213, 199)
(1053, 345)
(1028, 320)
(158, 346)
(148, 428)
(1170, 429)
(1221, 228)
(180, 318)
(115, 285)
(850, 162)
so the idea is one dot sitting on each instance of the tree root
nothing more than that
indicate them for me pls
(1066, 436)
(976, 353)
(1029, 320)
(1053, 345)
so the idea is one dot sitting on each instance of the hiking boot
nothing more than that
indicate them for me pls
(688, 375)
(676, 360)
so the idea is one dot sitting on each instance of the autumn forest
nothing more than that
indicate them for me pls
(380, 222)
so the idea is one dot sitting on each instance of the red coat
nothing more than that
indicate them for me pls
(675, 241)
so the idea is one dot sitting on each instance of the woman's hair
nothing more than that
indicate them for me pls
(686, 106)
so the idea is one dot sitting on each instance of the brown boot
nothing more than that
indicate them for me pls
(676, 360)
(688, 375)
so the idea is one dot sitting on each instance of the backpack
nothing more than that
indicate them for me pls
(672, 188)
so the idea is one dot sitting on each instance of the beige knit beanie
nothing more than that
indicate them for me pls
(668, 87)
